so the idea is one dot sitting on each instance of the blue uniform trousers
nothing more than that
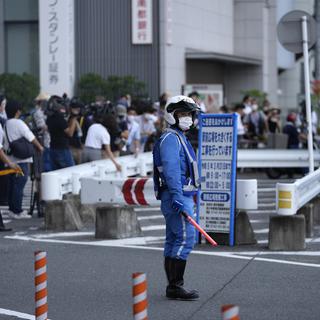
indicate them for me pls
(180, 234)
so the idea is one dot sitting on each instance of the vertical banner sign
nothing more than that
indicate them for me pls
(141, 19)
(217, 161)
(57, 57)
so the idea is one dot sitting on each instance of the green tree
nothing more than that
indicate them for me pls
(116, 86)
(257, 94)
(91, 85)
(23, 88)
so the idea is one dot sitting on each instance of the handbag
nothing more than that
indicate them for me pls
(20, 148)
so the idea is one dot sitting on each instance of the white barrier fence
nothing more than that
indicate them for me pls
(139, 192)
(56, 183)
(290, 197)
(59, 182)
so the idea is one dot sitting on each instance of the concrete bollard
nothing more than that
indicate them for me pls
(243, 232)
(316, 210)
(68, 214)
(307, 211)
(287, 233)
(116, 223)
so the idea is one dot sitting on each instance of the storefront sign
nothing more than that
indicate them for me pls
(57, 57)
(141, 21)
(217, 160)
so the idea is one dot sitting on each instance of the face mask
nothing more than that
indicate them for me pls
(254, 107)
(148, 116)
(185, 123)
(131, 119)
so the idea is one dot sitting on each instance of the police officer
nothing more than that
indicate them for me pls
(176, 182)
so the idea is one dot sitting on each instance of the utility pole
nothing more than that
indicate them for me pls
(317, 45)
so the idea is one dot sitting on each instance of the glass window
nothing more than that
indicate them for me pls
(17, 10)
(22, 48)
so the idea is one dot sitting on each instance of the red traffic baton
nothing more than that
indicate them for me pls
(196, 225)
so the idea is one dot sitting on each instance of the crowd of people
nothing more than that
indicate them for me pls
(256, 123)
(65, 132)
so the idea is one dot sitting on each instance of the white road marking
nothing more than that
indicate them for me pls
(267, 205)
(266, 190)
(261, 231)
(257, 221)
(262, 211)
(154, 227)
(284, 253)
(16, 314)
(6, 221)
(132, 243)
(140, 209)
(64, 234)
(152, 217)
(308, 240)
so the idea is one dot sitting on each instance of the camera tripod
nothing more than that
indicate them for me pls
(35, 176)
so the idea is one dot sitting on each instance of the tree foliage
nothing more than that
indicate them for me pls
(23, 88)
(91, 85)
(257, 94)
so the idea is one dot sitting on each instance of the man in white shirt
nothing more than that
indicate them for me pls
(97, 140)
(15, 129)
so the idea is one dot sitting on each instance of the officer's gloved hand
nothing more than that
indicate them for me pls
(177, 206)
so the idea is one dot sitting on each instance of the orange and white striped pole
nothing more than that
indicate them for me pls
(230, 312)
(139, 294)
(40, 281)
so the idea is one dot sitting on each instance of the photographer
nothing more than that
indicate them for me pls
(76, 109)
(41, 129)
(60, 131)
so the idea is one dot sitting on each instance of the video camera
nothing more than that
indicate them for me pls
(56, 104)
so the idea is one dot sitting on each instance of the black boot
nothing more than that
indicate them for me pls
(175, 289)
(167, 265)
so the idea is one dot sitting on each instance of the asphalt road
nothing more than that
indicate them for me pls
(90, 279)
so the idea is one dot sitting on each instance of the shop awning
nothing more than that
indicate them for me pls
(205, 55)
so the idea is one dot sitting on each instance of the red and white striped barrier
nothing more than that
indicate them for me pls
(139, 294)
(136, 191)
(40, 281)
(130, 191)
(230, 312)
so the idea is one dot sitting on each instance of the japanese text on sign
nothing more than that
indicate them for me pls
(141, 21)
(217, 153)
(53, 23)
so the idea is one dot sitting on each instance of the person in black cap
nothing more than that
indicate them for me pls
(15, 129)
(60, 131)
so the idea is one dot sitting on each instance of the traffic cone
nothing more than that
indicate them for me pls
(2, 226)
(230, 312)
(40, 281)
(139, 294)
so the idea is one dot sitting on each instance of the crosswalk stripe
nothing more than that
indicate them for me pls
(154, 227)
(152, 217)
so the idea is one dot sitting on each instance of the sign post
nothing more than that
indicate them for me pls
(57, 55)
(307, 89)
(217, 161)
(297, 33)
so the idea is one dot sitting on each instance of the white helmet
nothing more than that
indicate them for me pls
(179, 103)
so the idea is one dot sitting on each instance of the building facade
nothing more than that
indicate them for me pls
(228, 43)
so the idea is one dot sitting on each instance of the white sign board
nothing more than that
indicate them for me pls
(217, 152)
(141, 19)
(210, 94)
(57, 57)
